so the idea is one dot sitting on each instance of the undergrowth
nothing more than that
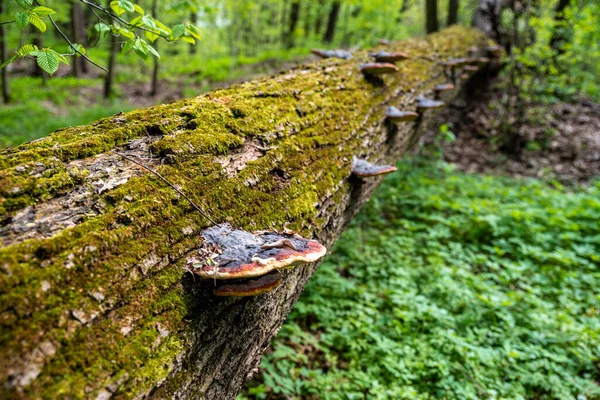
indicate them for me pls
(450, 286)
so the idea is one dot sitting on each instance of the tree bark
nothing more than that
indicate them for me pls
(487, 18)
(4, 57)
(109, 79)
(194, 19)
(155, 66)
(431, 16)
(96, 299)
(294, 16)
(452, 12)
(78, 34)
(332, 22)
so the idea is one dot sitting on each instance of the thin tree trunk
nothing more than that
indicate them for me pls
(332, 22)
(155, 68)
(194, 19)
(453, 12)
(96, 297)
(487, 18)
(78, 35)
(294, 16)
(560, 35)
(431, 16)
(109, 79)
(4, 57)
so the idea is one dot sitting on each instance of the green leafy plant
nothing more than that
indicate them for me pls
(450, 286)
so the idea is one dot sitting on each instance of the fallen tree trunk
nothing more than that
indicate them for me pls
(95, 300)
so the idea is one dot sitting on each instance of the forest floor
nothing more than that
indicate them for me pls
(563, 140)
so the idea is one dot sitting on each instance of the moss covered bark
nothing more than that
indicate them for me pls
(95, 300)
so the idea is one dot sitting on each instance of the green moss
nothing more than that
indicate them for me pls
(312, 122)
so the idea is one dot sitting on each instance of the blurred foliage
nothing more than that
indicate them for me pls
(450, 286)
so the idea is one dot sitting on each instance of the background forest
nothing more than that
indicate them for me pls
(448, 285)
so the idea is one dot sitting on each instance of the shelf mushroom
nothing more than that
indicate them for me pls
(471, 68)
(228, 253)
(384, 42)
(444, 87)
(387, 57)
(343, 54)
(395, 115)
(374, 69)
(495, 51)
(249, 287)
(364, 169)
(425, 103)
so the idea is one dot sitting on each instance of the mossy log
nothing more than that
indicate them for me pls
(95, 297)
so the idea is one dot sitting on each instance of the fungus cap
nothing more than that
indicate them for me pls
(364, 169)
(378, 68)
(464, 76)
(384, 42)
(444, 87)
(457, 62)
(343, 54)
(425, 103)
(228, 253)
(249, 287)
(395, 115)
(471, 68)
(495, 51)
(386, 57)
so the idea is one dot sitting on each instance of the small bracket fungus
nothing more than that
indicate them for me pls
(364, 169)
(464, 76)
(471, 68)
(385, 57)
(444, 87)
(495, 51)
(425, 103)
(482, 60)
(457, 62)
(249, 287)
(378, 68)
(343, 54)
(229, 253)
(395, 115)
(384, 42)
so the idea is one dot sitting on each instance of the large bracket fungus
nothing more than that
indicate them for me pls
(228, 253)
(364, 169)
(249, 287)
(395, 115)
(386, 57)
(378, 68)
(343, 54)
(425, 103)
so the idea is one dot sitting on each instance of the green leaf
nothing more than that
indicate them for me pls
(47, 61)
(188, 39)
(126, 33)
(36, 21)
(138, 9)
(22, 19)
(128, 46)
(25, 3)
(193, 30)
(149, 22)
(126, 5)
(137, 21)
(43, 11)
(141, 48)
(178, 31)
(153, 51)
(117, 9)
(80, 49)
(102, 28)
(26, 50)
(151, 36)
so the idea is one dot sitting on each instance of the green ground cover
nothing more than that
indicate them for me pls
(450, 286)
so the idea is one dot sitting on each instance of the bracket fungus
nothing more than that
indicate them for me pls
(471, 68)
(495, 51)
(384, 42)
(228, 253)
(425, 103)
(395, 115)
(364, 169)
(249, 287)
(444, 87)
(343, 54)
(378, 68)
(386, 57)
(464, 76)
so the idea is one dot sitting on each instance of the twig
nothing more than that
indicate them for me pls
(73, 46)
(168, 183)
(7, 22)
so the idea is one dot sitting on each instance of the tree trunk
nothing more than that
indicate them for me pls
(294, 15)
(96, 299)
(487, 18)
(332, 22)
(431, 16)
(452, 12)
(4, 57)
(560, 35)
(78, 34)
(109, 79)
(155, 67)
(194, 19)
